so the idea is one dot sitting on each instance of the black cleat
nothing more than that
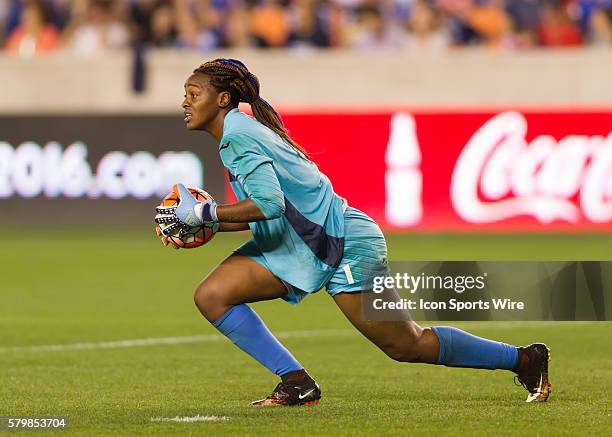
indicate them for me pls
(533, 373)
(290, 393)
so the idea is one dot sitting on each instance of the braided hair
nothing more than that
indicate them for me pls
(233, 76)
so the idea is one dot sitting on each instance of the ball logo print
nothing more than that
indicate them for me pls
(538, 178)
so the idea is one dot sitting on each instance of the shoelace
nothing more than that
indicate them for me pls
(522, 383)
(279, 392)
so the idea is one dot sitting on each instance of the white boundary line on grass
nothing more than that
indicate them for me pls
(190, 419)
(119, 344)
(157, 341)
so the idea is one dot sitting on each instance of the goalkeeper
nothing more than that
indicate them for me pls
(305, 237)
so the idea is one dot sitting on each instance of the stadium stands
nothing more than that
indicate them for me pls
(89, 27)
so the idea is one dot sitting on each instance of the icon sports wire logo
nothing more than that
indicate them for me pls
(31, 170)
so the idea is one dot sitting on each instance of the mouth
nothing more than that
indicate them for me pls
(188, 116)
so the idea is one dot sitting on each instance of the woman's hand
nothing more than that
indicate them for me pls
(165, 240)
(189, 212)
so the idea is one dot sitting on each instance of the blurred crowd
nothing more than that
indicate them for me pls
(89, 27)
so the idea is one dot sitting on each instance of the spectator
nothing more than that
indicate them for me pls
(371, 31)
(4, 10)
(162, 28)
(269, 24)
(601, 28)
(309, 28)
(456, 12)
(525, 15)
(141, 13)
(13, 14)
(491, 23)
(209, 14)
(99, 31)
(195, 29)
(61, 10)
(34, 34)
(93, 26)
(557, 28)
(425, 26)
(236, 30)
(336, 21)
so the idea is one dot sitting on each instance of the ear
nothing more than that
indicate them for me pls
(224, 99)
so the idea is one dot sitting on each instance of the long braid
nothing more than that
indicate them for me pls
(233, 76)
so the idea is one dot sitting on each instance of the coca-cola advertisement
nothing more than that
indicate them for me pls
(497, 170)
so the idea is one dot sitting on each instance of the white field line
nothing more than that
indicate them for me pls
(165, 341)
(119, 344)
(190, 419)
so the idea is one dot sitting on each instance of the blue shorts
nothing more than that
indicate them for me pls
(365, 257)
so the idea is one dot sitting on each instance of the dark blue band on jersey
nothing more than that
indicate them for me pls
(328, 249)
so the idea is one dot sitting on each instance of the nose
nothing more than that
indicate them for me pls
(185, 104)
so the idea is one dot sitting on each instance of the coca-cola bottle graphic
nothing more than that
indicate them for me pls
(403, 178)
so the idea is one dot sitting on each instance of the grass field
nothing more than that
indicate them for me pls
(91, 287)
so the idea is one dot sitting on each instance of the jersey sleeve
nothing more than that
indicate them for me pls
(254, 170)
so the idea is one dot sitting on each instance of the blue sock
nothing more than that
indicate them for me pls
(247, 331)
(460, 349)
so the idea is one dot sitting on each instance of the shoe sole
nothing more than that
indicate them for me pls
(541, 395)
(311, 403)
(263, 404)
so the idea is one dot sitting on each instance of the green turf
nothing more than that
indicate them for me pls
(60, 288)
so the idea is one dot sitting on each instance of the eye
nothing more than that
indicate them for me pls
(194, 95)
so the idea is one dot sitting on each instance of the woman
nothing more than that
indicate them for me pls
(34, 35)
(305, 237)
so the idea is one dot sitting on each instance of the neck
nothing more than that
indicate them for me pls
(215, 127)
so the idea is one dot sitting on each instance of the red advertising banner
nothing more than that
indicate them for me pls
(512, 170)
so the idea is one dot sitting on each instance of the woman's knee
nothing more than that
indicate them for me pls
(402, 351)
(413, 346)
(209, 298)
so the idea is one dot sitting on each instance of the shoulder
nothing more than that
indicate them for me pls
(238, 142)
(241, 152)
(239, 122)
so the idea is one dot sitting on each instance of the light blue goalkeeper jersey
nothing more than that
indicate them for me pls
(303, 239)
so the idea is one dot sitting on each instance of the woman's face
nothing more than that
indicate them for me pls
(202, 103)
(422, 19)
(31, 18)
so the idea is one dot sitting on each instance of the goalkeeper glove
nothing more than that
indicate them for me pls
(188, 213)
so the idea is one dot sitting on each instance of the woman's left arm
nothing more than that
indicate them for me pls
(233, 227)
(241, 212)
(266, 199)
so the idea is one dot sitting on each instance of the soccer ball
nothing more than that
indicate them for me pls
(194, 236)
